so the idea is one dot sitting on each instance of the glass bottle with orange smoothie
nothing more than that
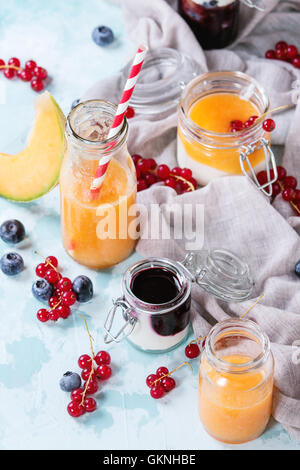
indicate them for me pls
(236, 381)
(205, 142)
(96, 227)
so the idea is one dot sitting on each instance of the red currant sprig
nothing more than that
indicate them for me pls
(149, 173)
(286, 52)
(30, 73)
(237, 126)
(81, 403)
(286, 185)
(194, 348)
(161, 382)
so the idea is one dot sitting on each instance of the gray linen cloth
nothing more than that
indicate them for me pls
(237, 216)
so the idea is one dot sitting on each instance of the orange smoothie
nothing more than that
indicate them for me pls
(95, 232)
(212, 155)
(234, 407)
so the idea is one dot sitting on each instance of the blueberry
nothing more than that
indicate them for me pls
(75, 103)
(12, 231)
(11, 264)
(42, 289)
(297, 268)
(102, 35)
(83, 288)
(70, 381)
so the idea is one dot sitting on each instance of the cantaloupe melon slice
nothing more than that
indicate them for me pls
(35, 170)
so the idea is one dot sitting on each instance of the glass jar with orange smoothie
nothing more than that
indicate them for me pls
(96, 226)
(205, 142)
(236, 381)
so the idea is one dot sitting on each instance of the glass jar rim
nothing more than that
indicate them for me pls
(200, 131)
(104, 145)
(151, 308)
(251, 330)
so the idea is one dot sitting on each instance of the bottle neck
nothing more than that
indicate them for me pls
(87, 128)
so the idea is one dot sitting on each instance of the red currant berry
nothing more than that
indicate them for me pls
(64, 284)
(236, 125)
(53, 301)
(103, 372)
(141, 184)
(281, 53)
(275, 189)
(269, 125)
(262, 177)
(288, 194)
(90, 405)
(168, 383)
(41, 270)
(290, 182)
(2, 63)
(63, 311)
(270, 54)
(53, 315)
(130, 112)
(9, 73)
(135, 157)
(68, 298)
(157, 391)
(252, 119)
(151, 379)
(163, 171)
(43, 315)
(162, 371)
(281, 45)
(281, 172)
(52, 276)
(192, 350)
(170, 182)
(40, 73)
(14, 61)
(102, 357)
(297, 195)
(292, 51)
(75, 409)
(247, 124)
(36, 84)
(150, 179)
(186, 173)
(85, 362)
(142, 165)
(25, 75)
(76, 395)
(182, 187)
(85, 374)
(52, 261)
(30, 65)
(176, 171)
(92, 387)
(296, 62)
(152, 163)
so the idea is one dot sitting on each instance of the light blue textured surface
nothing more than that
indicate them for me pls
(33, 356)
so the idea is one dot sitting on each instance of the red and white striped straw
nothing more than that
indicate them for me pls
(120, 113)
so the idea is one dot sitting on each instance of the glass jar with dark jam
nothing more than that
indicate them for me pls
(156, 297)
(214, 22)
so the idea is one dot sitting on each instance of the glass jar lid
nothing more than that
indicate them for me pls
(220, 273)
(164, 75)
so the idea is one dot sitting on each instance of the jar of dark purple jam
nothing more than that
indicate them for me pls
(214, 22)
(156, 304)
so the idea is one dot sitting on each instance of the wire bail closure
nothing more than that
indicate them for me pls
(258, 4)
(248, 150)
(128, 326)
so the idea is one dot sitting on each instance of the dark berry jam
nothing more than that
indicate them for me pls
(215, 26)
(159, 286)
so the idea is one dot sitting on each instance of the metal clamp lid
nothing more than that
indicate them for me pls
(221, 273)
(258, 4)
(246, 151)
(128, 326)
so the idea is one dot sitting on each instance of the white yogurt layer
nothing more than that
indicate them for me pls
(147, 339)
(221, 3)
(203, 173)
